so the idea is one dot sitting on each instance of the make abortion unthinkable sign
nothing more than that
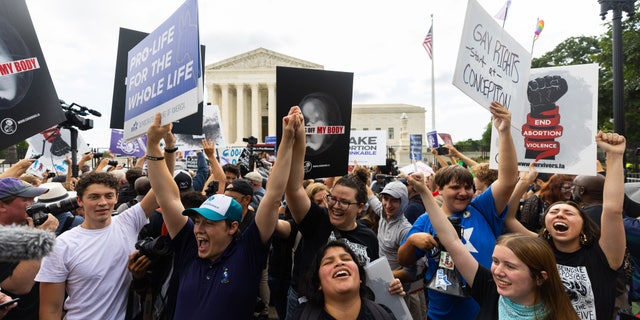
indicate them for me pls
(163, 72)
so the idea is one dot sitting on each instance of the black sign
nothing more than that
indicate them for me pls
(28, 100)
(325, 100)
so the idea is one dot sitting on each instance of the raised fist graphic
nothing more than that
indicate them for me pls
(543, 93)
(543, 122)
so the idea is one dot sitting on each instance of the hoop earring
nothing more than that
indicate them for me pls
(583, 238)
(546, 234)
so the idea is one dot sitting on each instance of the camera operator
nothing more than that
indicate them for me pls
(17, 278)
(59, 202)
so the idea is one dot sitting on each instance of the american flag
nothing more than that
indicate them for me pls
(428, 42)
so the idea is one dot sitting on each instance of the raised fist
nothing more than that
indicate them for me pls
(544, 92)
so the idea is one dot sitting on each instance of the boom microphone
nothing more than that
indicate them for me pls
(24, 243)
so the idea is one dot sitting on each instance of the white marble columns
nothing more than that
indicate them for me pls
(242, 108)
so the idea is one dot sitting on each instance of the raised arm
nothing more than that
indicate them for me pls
(18, 168)
(209, 147)
(297, 199)
(526, 179)
(170, 144)
(507, 159)
(84, 158)
(161, 179)
(464, 261)
(267, 215)
(455, 153)
(439, 158)
(612, 236)
(140, 162)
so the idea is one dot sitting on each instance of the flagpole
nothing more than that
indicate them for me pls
(433, 87)
(534, 36)
(506, 12)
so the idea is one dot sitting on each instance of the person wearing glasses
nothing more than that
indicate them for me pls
(319, 225)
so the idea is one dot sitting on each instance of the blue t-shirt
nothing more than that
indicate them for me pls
(480, 226)
(222, 289)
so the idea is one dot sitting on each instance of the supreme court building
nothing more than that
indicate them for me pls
(244, 87)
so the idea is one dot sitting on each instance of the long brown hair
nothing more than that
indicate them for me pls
(551, 192)
(538, 256)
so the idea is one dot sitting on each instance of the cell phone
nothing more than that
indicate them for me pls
(36, 157)
(442, 151)
(8, 303)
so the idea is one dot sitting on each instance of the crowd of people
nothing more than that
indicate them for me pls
(154, 241)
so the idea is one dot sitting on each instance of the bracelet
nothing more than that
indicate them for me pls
(152, 158)
(172, 150)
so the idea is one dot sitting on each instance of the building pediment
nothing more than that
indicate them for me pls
(261, 59)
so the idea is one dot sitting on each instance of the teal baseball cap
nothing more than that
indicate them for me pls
(218, 207)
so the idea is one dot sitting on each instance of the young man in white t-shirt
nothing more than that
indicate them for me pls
(89, 263)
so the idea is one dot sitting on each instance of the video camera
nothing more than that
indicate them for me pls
(250, 140)
(154, 248)
(38, 211)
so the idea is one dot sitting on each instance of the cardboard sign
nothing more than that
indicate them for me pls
(491, 66)
(558, 124)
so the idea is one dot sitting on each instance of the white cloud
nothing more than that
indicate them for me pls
(380, 41)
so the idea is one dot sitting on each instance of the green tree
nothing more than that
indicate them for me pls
(583, 50)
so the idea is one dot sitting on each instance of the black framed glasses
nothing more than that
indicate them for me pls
(342, 204)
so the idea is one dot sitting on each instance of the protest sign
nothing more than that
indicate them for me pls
(432, 139)
(53, 145)
(415, 142)
(446, 138)
(211, 128)
(491, 65)
(163, 72)
(368, 147)
(132, 148)
(127, 40)
(325, 100)
(28, 99)
(558, 124)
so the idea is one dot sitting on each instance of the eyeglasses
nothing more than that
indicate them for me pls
(331, 201)
(563, 188)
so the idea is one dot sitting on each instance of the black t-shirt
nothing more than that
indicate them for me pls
(316, 230)
(485, 293)
(589, 281)
(311, 312)
(280, 258)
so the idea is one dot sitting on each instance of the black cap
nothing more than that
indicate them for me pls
(241, 186)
